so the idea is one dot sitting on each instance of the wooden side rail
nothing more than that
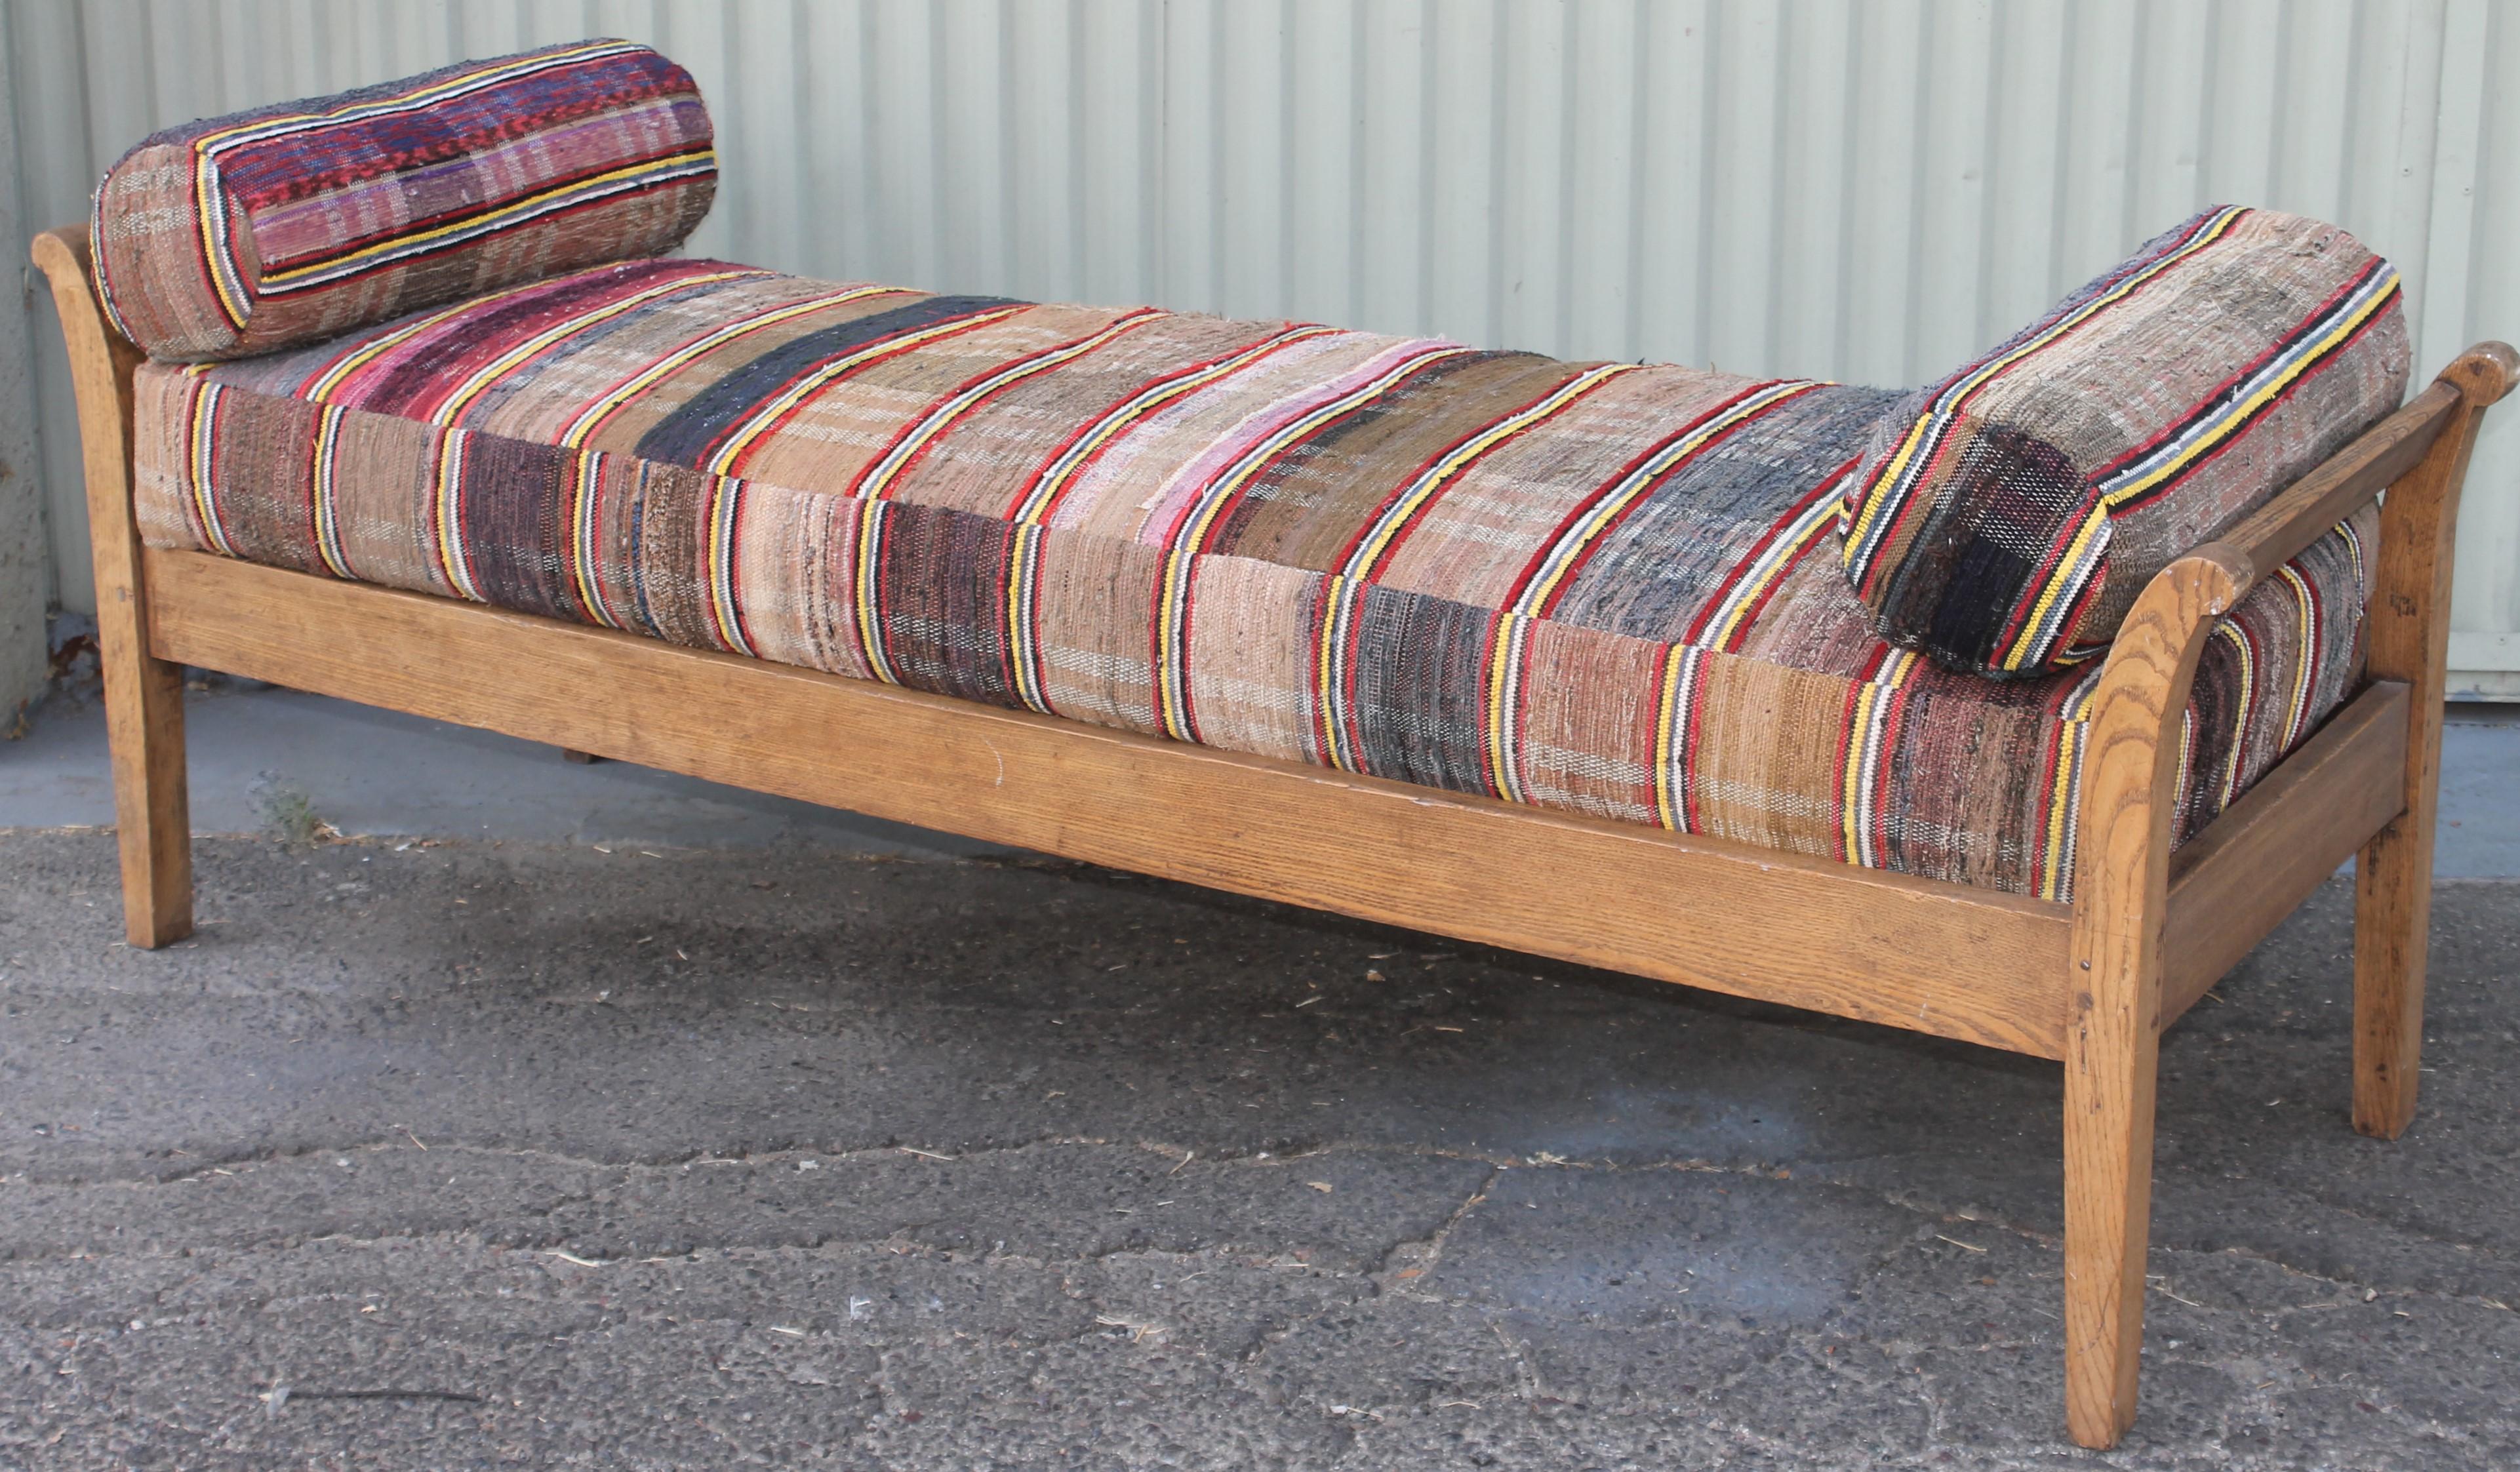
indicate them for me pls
(2091, 985)
(1943, 959)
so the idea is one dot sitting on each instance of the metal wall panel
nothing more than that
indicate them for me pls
(1867, 189)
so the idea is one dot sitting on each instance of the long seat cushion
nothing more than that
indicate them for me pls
(1606, 587)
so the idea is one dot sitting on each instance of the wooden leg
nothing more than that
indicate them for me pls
(2393, 887)
(2113, 1028)
(2408, 624)
(2110, 1060)
(144, 696)
(144, 713)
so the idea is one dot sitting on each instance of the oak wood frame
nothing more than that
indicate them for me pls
(2091, 984)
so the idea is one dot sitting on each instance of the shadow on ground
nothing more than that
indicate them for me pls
(457, 1155)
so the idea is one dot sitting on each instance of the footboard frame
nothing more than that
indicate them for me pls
(2091, 984)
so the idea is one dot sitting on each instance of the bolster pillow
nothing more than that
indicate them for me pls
(291, 224)
(2003, 520)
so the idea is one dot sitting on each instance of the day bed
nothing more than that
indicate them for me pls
(251, 496)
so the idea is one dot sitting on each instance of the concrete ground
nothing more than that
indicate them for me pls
(619, 1121)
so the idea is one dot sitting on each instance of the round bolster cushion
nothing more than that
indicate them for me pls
(291, 224)
(2003, 520)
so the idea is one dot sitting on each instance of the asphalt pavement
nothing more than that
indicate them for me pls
(562, 1147)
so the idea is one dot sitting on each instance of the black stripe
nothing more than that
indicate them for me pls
(689, 435)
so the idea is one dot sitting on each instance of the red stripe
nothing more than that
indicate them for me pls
(2108, 284)
(2274, 350)
(769, 434)
(1585, 556)
(1032, 481)
(1894, 721)
(1742, 564)
(912, 425)
(1390, 548)
(1233, 501)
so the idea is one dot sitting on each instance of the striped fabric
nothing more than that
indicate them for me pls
(2004, 520)
(292, 224)
(1604, 588)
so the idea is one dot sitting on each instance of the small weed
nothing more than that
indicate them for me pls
(289, 814)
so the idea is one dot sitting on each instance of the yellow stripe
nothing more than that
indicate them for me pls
(2305, 667)
(2059, 807)
(1500, 660)
(206, 398)
(1389, 524)
(1077, 456)
(328, 521)
(1871, 504)
(583, 485)
(1435, 478)
(1851, 777)
(450, 468)
(944, 417)
(1675, 663)
(2230, 422)
(724, 498)
(2239, 413)
(1021, 640)
(1325, 669)
(1781, 556)
(863, 580)
(1563, 555)
(206, 190)
(2067, 574)
(2074, 725)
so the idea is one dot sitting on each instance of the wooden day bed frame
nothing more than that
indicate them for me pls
(2090, 984)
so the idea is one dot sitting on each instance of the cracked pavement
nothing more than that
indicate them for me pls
(461, 1155)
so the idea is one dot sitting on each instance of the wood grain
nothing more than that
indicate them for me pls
(1942, 958)
(2409, 628)
(2112, 1038)
(143, 696)
(2234, 883)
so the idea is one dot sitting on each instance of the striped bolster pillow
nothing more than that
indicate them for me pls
(291, 224)
(2003, 520)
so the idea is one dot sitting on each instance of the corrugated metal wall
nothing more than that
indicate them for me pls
(1866, 189)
